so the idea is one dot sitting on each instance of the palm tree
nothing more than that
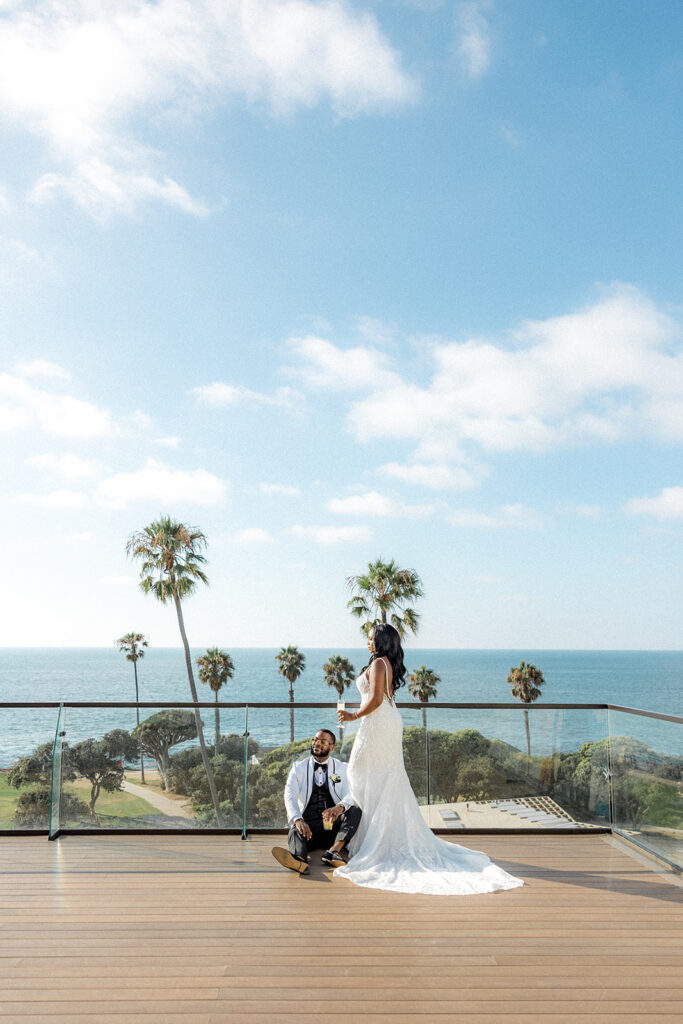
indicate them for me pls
(526, 682)
(171, 558)
(422, 687)
(291, 663)
(339, 674)
(132, 645)
(215, 668)
(382, 591)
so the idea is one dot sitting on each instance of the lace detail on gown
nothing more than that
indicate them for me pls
(394, 848)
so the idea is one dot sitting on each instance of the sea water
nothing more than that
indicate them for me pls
(648, 680)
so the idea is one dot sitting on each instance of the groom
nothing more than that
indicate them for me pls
(316, 790)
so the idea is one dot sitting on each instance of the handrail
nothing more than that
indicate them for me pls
(414, 705)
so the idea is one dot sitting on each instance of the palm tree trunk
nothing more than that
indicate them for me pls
(528, 737)
(137, 715)
(291, 712)
(200, 731)
(218, 726)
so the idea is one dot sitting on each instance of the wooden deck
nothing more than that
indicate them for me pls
(194, 930)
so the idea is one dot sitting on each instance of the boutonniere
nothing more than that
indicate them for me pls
(335, 778)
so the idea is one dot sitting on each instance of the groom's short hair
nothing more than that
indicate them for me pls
(330, 734)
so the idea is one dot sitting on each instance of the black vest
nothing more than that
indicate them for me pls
(319, 801)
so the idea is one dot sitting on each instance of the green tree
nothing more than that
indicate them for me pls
(101, 762)
(158, 733)
(133, 645)
(171, 566)
(36, 769)
(291, 663)
(215, 668)
(33, 807)
(526, 682)
(422, 686)
(382, 594)
(478, 779)
(339, 674)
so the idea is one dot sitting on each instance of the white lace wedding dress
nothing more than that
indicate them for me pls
(394, 848)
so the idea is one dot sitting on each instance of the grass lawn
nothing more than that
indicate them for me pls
(8, 801)
(117, 804)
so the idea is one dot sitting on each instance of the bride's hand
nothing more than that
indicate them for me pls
(346, 716)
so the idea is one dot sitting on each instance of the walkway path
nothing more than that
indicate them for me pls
(174, 808)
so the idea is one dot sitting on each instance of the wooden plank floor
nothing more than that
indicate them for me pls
(210, 930)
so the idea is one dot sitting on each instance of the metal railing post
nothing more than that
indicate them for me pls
(246, 768)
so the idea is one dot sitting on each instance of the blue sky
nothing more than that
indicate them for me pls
(336, 281)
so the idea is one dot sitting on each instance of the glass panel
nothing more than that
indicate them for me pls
(271, 752)
(518, 768)
(27, 738)
(415, 757)
(102, 785)
(647, 782)
(56, 776)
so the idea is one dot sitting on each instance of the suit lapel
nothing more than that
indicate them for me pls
(332, 770)
(309, 781)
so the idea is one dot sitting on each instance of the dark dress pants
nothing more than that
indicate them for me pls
(343, 828)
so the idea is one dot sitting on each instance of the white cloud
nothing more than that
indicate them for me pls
(42, 368)
(376, 331)
(667, 506)
(607, 373)
(433, 475)
(168, 442)
(101, 190)
(510, 136)
(69, 467)
(514, 515)
(119, 581)
(55, 499)
(82, 75)
(324, 366)
(590, 511)
(22, 405)
(285, 490)
(473, 37)
(372, 503)
(327, 535)
(16, 254)
(219, 395)
(80, 538)
(161, 483)
(253, 535)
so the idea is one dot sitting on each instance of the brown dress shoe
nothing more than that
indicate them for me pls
(288, 860)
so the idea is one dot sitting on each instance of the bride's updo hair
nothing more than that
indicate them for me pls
(388, 645)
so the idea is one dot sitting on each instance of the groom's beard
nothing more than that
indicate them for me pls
(321, 755)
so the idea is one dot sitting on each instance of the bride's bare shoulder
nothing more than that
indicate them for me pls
(380, 667)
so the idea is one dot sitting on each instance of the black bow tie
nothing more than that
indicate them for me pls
(318, 765)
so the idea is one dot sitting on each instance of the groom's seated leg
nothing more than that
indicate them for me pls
(348, 823)
(297, 844)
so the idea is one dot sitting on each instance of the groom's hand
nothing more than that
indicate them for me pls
(302, 828)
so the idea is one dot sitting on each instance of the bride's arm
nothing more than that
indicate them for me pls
(376, 676)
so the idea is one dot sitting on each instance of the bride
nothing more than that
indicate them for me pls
(394, 848)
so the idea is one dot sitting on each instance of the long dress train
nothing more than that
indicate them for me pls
(394, 848)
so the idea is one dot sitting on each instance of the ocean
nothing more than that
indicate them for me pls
(648, 680)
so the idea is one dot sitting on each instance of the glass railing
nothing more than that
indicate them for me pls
(481, 767)
(646, 755)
